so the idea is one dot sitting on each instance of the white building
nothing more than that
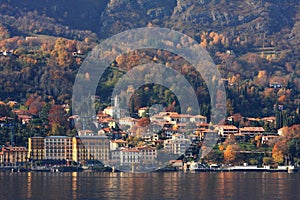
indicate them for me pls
(116, 144)
(147, 154)
(198, 119)
(129, 156)
(127, 121)
(226, 130)
(177, 145)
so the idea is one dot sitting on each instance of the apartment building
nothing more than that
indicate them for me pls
(177, 145)
(13, 156)
(58, 148)
(90, 148)
(36, 148)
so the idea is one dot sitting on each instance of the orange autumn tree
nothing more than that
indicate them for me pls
(230, 154)
(62, 51)
(277, 155)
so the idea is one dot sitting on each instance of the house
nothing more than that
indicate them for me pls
(13, 156)
(102, 116)
(157, 118)
(143, 111)
(115, 135)
(25, 119)
(86, 133)
(198, 119)
(201, 125)
(109, 111)
(116, 144)
(282, 131)
(225, 130)
(229, 52)
(176, 118)
(114, 157)
(148, 154)
(78, 53)
(155, 137)
(177, 145)
(268, 139)
(115, 111)
(275, 85)
(24, 116)
(127, 121)
(202, 133)
(147, 137)
(271, 119)
(31, 38)
(251, 131)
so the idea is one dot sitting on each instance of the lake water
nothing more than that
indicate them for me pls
(169, 185)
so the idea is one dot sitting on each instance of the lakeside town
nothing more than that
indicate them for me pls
(259, 66)
(171, 142)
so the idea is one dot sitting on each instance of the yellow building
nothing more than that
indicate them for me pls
(36, 150)
(13, 156)
(78, 149)
(90, 148)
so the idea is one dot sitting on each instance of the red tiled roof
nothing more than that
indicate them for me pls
(176, 115)
(118, 141)
(252, 129)
(10, 148)
(5, 118)
(130, 150)
(228, 127)
(199, 116)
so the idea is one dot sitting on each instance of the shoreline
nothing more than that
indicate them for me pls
(285, 169)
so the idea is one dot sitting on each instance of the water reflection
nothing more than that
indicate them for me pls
(29, 189)
(178, 185)
(74, 185)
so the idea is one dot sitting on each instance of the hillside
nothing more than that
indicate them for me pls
(263, 37)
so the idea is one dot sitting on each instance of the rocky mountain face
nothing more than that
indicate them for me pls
(107, 17)
(235, 17)
(76, 14)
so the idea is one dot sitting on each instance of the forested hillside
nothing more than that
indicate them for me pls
(255, 44)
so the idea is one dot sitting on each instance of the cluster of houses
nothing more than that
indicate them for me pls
(173, 133)
(83, 148)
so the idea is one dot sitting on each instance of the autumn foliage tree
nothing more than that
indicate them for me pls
(288, 145)
(143, 122)
(277, 154)
(4, 34)
(58, 120)
(63, 50)
(230, 154)
(35, 104)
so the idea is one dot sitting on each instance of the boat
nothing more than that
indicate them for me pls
(40, 169)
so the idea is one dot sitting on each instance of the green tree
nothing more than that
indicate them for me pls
(267, 160)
